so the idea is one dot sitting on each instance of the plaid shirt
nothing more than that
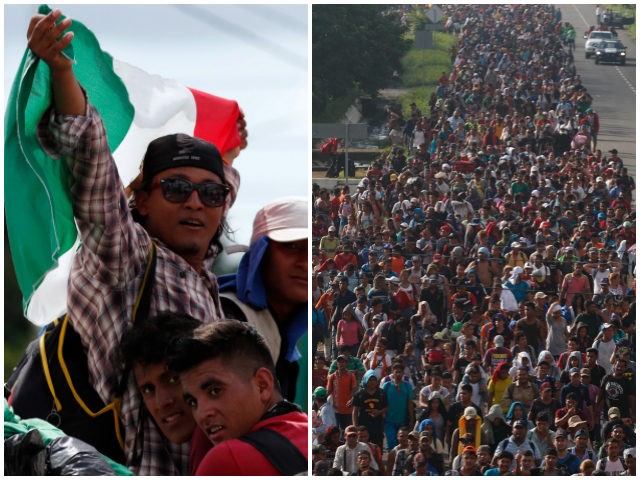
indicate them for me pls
(107, 272)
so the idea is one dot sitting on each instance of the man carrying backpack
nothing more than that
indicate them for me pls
(612, 464)
(518, 442)
(180, 202)
(269, 290)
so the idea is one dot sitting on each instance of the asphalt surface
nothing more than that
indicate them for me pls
(613, 88)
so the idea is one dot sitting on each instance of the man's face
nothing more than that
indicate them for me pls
(543, 425)
(474, 376)
(504, 465)
(162, 395)
(285, 273)
(619, 368)
(363, 436)
(469, 460)
(484, 458)
(618, 432)
(342, 365)
(551, 461)
(575, 380)
(613, 449)
(364, 461)
(187, 228)
(530, 312)
(522, 342)
(465, 396)
(527, 462)
(397, 373)
(225, 404)
(352, 439)
(523, 376)
(424, 444)
(561, 443)
(518, 432)
(581, 441)
(630, 461)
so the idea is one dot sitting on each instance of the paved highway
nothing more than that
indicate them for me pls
(613, 88)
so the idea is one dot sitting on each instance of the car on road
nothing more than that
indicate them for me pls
(611, 51)
(616, 19)
(594, 38)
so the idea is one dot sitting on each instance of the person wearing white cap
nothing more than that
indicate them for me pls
(517, 286)
(270, 289)
(606, 346)
(516, 257)
(329, 242)
(629, 457)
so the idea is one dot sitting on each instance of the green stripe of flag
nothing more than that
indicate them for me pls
(38, 208)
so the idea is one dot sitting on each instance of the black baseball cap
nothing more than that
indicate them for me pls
(181, 150)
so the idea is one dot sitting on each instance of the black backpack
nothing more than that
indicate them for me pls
(51, 382)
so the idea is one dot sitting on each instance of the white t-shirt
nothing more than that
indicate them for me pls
(597, 276)
(605, 350)
(611, 468)
(380, 363)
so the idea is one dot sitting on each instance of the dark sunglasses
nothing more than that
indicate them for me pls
(178, 190)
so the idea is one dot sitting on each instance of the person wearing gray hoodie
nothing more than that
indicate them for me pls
(494, 427)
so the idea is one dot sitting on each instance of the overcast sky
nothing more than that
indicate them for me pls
(254, 54)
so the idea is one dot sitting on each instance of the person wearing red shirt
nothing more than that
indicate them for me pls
(345, 257)
(228, 379)
(404, 301)
(342, 385)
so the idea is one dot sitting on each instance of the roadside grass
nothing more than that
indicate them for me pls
(422, 68)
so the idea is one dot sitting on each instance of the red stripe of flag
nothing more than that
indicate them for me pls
(216, 120)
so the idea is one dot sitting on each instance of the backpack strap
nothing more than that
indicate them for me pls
(141, 308)
(278, 449)
(503, 444)
(143, 301)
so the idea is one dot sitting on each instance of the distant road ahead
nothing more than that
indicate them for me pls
(612, 87)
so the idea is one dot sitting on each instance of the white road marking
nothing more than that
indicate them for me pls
(626, 80)
(586, 24)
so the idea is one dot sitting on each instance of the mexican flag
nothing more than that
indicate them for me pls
(136, 108)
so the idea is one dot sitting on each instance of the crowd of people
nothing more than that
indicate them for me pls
(474, 297)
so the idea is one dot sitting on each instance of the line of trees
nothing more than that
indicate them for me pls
(356, 50)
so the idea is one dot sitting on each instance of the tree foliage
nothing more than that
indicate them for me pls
(356, 49)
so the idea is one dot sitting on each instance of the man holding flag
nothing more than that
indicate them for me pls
(179, 203)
